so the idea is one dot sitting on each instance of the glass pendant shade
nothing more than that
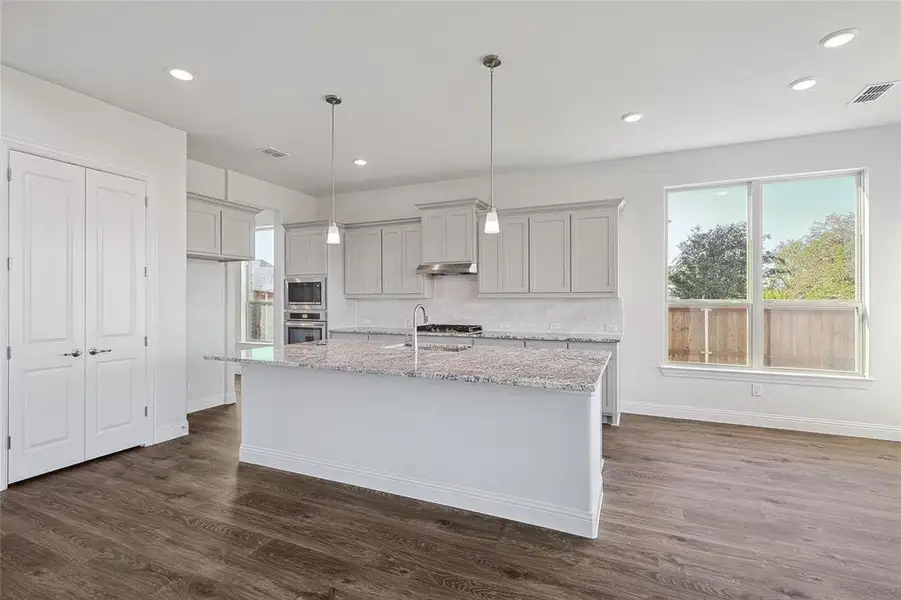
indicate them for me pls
(491, 224)
(334, 236)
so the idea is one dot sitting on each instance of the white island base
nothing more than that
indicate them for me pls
(527, 454)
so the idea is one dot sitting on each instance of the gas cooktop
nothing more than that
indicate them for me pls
(441, 328)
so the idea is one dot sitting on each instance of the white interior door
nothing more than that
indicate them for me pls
(114, 359)
(47, 309)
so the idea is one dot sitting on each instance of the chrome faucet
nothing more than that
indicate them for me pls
(425, 319)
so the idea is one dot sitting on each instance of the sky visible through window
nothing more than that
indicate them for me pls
(265, 245)
(799, 204)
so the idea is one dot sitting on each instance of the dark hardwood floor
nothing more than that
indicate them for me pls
(691, 510)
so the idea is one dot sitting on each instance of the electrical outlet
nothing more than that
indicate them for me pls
(554, 326)
(504, 326)
(756, 390)
(610, 328)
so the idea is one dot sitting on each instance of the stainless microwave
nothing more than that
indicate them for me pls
(305, 293)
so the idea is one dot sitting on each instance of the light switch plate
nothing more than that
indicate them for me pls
(757, 390)
(554, 326)
(504, 326)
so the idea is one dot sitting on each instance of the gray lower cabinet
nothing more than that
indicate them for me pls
(610, 408)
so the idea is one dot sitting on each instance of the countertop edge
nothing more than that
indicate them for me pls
(550, 386)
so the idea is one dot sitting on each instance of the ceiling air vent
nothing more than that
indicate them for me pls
(274, 152)
(874, 92)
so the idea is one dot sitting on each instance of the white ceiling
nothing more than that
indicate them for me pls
(416, 94)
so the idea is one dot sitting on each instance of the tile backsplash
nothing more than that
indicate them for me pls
(456, 300)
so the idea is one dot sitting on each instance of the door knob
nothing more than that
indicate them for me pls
(76, 353)
(95, 351)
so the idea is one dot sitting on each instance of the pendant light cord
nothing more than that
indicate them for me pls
(491, 138)
(333, 165)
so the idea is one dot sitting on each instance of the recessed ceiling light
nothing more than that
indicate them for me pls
(181, 74)
(361, 162)
(805, 83)
(838, 38)
(631, 117)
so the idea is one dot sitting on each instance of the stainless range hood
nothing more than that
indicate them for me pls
(448, 268)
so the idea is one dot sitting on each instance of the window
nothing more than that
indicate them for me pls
(259, 287)
(767, 274)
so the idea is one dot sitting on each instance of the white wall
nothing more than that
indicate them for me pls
(641, 181)
(61, 121)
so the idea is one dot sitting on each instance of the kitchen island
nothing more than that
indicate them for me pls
(509, 432)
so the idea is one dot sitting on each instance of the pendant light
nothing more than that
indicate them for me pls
(492, 61)
(333, 236)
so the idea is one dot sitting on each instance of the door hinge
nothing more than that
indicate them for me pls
(9, 442)
(145, 271)
(146, 202)
(9, 264)
(145, 340)
(145, 411)
(9, 352)
(9, 173)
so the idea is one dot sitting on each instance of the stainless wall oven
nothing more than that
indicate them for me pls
(302, 327)
(305, 293)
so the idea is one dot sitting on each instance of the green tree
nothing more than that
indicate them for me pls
(818, 266)
(712, 264)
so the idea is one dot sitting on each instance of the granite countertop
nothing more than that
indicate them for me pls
(551, 336)
(555, 369)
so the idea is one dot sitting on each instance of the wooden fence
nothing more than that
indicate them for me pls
(793, 337)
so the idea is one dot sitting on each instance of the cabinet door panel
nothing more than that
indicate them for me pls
(549, 253)
(434, 236)
(372, 261)
(204, 227)
(237, 233)
(316, 252)
(460, 235)
(514, 272)
(392, 260)
(490, 269)
(353, 262)
(296, 250)
(594, 250)
(411, 246)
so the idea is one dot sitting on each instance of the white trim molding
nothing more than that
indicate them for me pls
(752, 419)
(814, 379)
(164, 433)
(560, 518)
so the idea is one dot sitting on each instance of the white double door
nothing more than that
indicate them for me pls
(77, 372)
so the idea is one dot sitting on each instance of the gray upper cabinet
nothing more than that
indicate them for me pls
(204, 227)
(504, 257)
(401, 254)
(434, 236)
(594, 253)
(363, 262)
(381, 259)
(549, 253)
(449, 230)
(305, 250)
(237, 233)
(460, 234)
(218, 230)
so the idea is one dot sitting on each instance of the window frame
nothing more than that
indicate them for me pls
(756, 304)
(245, 334)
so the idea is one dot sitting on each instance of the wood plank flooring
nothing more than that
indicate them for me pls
(691, 511)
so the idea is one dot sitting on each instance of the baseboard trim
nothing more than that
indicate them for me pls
(164, 433)
(753, 419)
(559, 518)
(205, 402)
